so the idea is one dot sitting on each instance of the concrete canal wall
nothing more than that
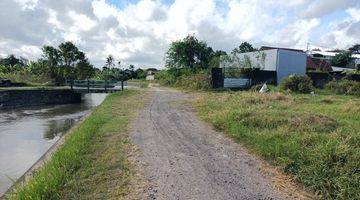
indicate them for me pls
(10, 99)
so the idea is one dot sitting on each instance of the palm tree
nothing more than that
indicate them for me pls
(110, 62)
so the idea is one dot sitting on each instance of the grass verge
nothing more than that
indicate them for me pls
(92, 163)
(141, 83)
(314, 138)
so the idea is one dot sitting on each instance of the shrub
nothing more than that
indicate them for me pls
(297, 83)
(196, 81)
(344, 86)
(165, 78)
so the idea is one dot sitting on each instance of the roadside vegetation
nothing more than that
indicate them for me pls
(141, 83)
(93, 162)
(188, 64)
(313, 137)
(310, 133)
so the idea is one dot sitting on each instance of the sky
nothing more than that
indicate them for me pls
(139, 32)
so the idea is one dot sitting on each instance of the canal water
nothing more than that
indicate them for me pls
(26, 134)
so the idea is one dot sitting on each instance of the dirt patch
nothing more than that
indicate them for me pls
(327, 101)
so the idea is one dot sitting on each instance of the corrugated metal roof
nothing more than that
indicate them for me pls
(325, 53)
(341, 69)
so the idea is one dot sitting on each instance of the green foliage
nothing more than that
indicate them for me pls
(316, 139)
(216, 58)
(351, 72)
(297, 83)
(11, 60)
(167, 77)
(56, 65)
(188, 53)
(115, 74)
(110, 62)
(243, 48)
(109, 72)
(344, 86)
(30, 75)
(237, 65)
(355, 49)
(66, 62)
(187, 62)
(194, 81)
(342, 59)
(140, 74)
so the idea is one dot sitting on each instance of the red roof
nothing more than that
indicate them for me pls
(316, 64)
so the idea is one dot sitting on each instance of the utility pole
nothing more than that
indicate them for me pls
(307, 47)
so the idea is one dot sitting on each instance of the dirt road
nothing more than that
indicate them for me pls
(183, 158)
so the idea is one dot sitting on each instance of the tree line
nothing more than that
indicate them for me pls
(60, 63)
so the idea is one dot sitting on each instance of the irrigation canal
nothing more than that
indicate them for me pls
(26, 134)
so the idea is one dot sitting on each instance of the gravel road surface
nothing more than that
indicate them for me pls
(183, 158)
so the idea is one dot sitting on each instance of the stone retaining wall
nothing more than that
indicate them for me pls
(10, 99)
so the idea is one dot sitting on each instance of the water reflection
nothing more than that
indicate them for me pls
(26, 134)
(58, 127)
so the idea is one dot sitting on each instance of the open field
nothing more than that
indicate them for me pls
(92, 163)
(316, 138)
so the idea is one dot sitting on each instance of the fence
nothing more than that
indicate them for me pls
(220, 77)
(97, 84)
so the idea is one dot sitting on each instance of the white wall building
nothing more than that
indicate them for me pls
(283, 62)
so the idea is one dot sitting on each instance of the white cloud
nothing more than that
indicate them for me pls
(81, 22)
(319, 8)
(295, 35)
(344, 33)
(102, 9)
(27, 4)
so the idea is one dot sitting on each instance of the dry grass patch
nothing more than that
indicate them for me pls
(352, 106)
(313, 123)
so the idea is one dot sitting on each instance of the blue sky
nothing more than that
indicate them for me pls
(140, 31)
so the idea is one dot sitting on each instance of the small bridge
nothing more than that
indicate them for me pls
(95, 86)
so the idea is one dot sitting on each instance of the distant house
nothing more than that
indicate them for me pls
(150, 74)
(328, 56)
(273, 64)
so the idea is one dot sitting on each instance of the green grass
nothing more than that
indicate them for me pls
(92, 163)
(141, 83)
(316, 138)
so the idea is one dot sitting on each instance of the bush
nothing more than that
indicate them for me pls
(196, 81)
(184, 78)
(297, 83)
(26, 78)
(165, 78)
(344, 86)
